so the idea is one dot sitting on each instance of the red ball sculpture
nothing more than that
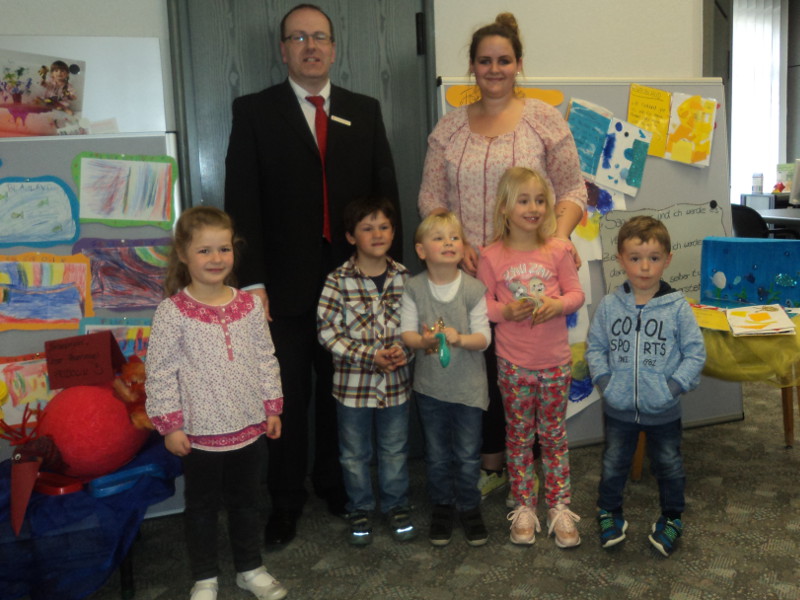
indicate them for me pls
(91, 428)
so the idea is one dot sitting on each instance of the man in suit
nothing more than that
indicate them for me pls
(275, 189)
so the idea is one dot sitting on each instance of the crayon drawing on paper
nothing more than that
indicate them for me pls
(44, 291)
(126, 277)
(122, 191)
(27, 383)
(40, 211)
(132, 335)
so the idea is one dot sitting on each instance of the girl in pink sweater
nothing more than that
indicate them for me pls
(532, 284)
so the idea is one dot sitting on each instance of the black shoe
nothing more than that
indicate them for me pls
(474, 529)
(441, 530)
(360, 528)
(281, 528)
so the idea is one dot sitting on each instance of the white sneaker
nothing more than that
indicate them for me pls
(205, 589)
(561, 523)
(524, 525)
(261, 584)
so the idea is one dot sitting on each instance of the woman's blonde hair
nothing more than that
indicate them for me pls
(190, 221)
(507, 192)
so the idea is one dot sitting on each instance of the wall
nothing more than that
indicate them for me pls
(665, 43)
(113, 18)
(793, 84)
(575, 38)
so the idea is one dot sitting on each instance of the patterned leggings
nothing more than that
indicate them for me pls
(536, 401)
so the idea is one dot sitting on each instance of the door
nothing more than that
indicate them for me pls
(223, 49)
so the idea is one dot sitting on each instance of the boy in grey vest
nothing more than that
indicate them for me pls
(444, 319)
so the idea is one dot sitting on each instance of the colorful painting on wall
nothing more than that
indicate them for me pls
(40, 94)
(44, 291)
(126, 275)
(121, 190)
(40, 211)
(26, 381)
(624, 154)
(132, 335)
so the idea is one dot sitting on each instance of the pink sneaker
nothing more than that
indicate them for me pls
(561, 523)
(524, 525)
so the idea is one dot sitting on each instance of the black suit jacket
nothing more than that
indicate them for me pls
(273, 188)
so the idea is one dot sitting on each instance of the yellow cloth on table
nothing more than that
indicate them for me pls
(772, 359)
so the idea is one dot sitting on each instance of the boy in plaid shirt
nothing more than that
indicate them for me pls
(357, 320)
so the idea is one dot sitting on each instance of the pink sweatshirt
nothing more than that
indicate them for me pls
(511, 274)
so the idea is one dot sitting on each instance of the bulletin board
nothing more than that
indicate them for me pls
(693, 202)
(51, 168)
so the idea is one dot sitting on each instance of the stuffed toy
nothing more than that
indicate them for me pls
(129, 387)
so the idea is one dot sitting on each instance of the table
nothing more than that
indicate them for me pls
(771, 359)
(787, 217)
(69, 545)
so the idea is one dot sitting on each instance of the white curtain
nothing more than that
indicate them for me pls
(758, 87)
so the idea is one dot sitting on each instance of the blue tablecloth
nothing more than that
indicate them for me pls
(69, 545)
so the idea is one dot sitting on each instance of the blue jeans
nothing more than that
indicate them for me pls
(452, 451)
(666, 463)
(355, 455)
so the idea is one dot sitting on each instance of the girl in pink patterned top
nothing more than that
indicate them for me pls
(468, 152)
(531, 285)
(213, 391)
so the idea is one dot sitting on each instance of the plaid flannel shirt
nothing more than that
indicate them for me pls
(354, 321)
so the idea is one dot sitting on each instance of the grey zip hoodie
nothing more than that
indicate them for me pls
(642, 358)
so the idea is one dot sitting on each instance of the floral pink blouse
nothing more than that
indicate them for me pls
(462, 168)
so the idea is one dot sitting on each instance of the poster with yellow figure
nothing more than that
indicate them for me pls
(691, 129)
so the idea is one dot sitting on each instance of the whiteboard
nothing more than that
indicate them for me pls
(664, 183)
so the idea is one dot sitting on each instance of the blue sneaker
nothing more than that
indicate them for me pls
(360, 528)
(665, 533)
(612, 528)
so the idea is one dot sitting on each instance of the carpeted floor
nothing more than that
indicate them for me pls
(741, 538)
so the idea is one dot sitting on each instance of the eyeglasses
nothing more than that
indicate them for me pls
(301, 38)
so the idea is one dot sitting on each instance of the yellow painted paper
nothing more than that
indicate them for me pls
(649, 108)
(691, 129)
(709, 318)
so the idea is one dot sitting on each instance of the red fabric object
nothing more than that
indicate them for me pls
(23, 478)
(92, 430)
(321, 127)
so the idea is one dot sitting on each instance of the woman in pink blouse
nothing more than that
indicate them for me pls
(470, 149)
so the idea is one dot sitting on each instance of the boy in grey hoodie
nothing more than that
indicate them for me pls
(644, 350)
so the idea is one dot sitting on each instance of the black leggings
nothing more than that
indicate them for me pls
(213, 480)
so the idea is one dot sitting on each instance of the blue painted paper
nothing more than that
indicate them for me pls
(589, 130)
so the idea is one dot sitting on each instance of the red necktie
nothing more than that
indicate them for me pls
(321, 126)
